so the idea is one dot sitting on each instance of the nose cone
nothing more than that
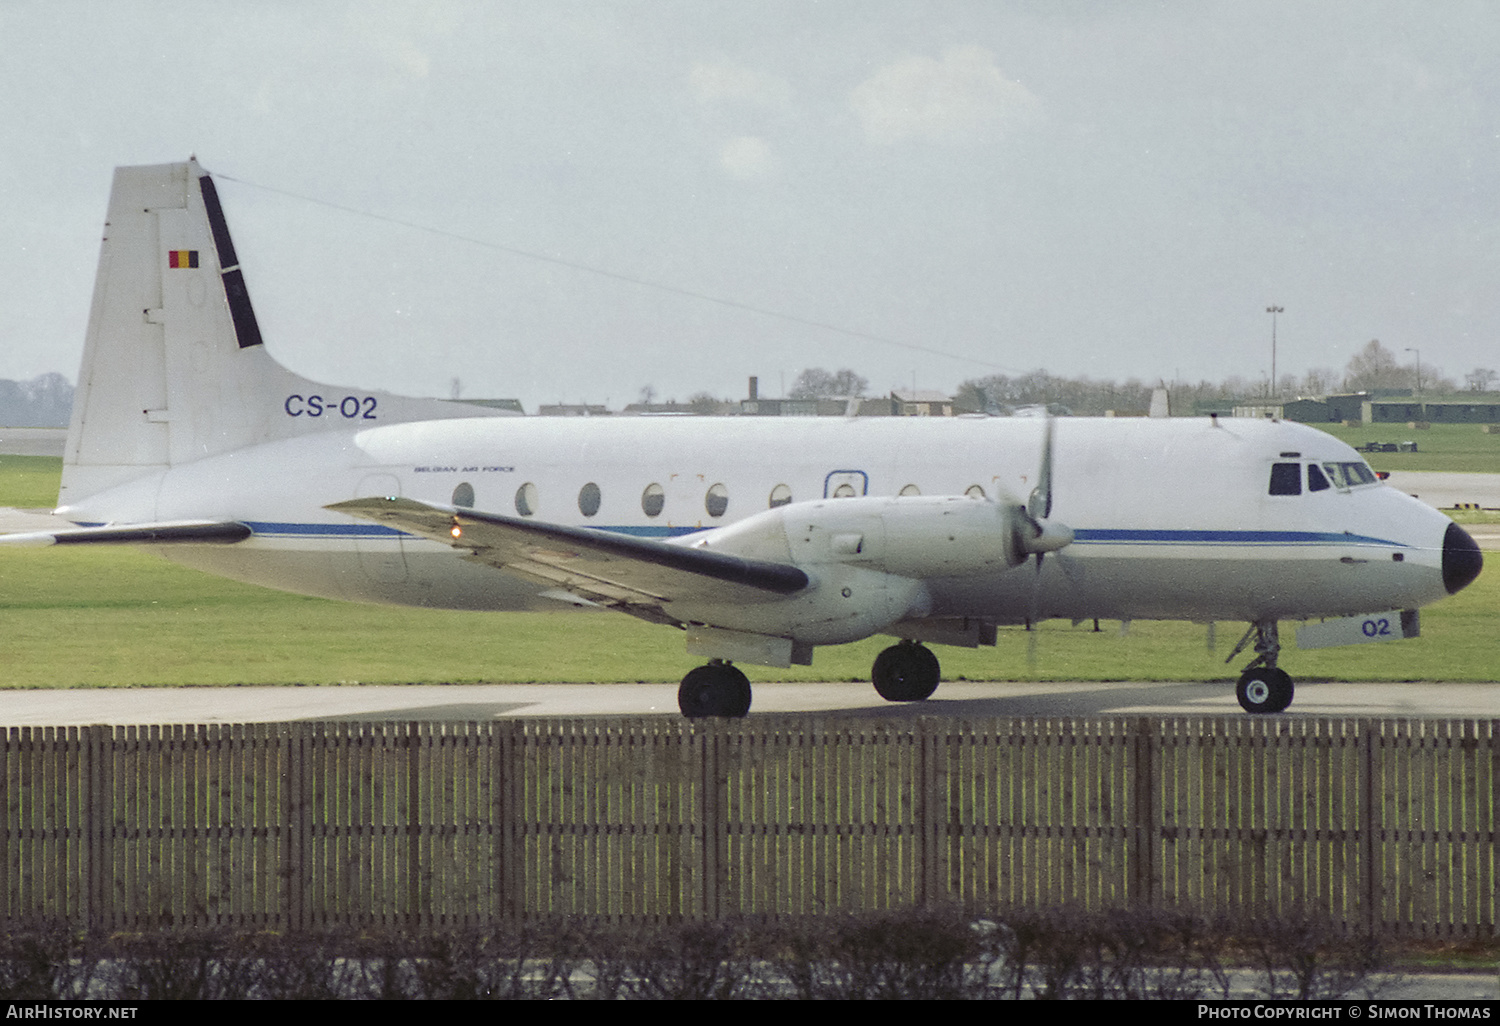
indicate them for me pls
(1461, 559)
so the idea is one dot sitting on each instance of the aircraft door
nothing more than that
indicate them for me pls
(846, 484)
(380, 556)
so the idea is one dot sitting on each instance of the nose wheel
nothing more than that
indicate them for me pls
(717, 689)
(1263, 688)
(907, 672)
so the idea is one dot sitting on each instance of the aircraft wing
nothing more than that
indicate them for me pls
(197, 532)
(636, 575)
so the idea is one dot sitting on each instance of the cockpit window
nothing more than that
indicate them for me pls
(1350, 475)
(1286, 479)
(1316, 482)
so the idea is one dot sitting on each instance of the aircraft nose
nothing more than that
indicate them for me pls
(1461, 559)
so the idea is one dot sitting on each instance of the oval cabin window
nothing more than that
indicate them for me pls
(653, 500)
(781, 495)
(588, 499)
(716, 501)
(463, 495)
(526, 499)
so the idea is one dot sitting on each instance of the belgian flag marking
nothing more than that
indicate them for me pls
(182, 258)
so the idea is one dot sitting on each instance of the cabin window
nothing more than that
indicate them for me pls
(653, 500)
(716, 501)
(974, 492)
(588, 499)
(844, 491)
(1286, 479)
(1316, 482)
(911, 490)
(463, 495)
(781, 495)
(526, 499)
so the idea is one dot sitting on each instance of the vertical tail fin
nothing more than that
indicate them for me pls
(174, 369)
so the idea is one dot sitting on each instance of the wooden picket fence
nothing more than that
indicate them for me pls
(1378, 824)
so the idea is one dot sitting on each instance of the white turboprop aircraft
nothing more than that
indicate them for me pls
(761, 538)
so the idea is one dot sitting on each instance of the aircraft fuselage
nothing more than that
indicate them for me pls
(1172, 519)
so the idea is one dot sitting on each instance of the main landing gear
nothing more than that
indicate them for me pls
(717, 689)
(907, 672)
(1263, 688)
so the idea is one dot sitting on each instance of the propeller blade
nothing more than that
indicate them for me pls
(1039, 504)
(1033, 625)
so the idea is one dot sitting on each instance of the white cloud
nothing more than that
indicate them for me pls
(955, 99)
(746, 157)
(719, 82)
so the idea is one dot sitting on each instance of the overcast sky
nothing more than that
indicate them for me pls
(1107, 189)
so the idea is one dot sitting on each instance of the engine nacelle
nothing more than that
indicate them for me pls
(867, 559)
(912, 536)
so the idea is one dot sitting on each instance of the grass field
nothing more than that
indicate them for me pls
(109, 617)
(29, 482)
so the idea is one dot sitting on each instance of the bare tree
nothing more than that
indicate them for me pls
(1374, 367)
(704, 403)
(1479, 379)
(1320, 381)
(817, 383)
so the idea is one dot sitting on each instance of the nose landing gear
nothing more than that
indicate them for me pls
(1263, 688)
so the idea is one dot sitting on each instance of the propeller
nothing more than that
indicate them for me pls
(1040, 534)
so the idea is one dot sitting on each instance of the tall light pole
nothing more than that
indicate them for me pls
(1419, 367)
(1273, 311)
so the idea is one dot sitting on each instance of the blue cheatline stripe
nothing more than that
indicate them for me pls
(271, 529)
(1081, 536)
(1118, 536)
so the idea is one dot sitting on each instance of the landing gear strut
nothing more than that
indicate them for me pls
(717, 689)
(1263, 688)
(907, 672)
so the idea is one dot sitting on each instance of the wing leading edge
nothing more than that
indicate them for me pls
(636, 575)
(190, 532)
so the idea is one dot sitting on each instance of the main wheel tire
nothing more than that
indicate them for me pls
(906, 673)
(717, 689)
(1264, 691)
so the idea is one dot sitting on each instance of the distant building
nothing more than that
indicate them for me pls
(920, 403)
(664, 410)
(808, 407)
(509, 405)
(1385, 406)
(1474, 408)
(1302, 410)
(572, 410)
(1260, 411)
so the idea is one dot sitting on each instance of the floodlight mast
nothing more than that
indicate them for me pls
(1409, 349)
(1273, 311)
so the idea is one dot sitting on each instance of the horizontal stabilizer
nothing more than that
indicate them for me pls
(196, 532)
(617, 569)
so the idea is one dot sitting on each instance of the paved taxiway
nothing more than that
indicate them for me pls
(480, 702)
